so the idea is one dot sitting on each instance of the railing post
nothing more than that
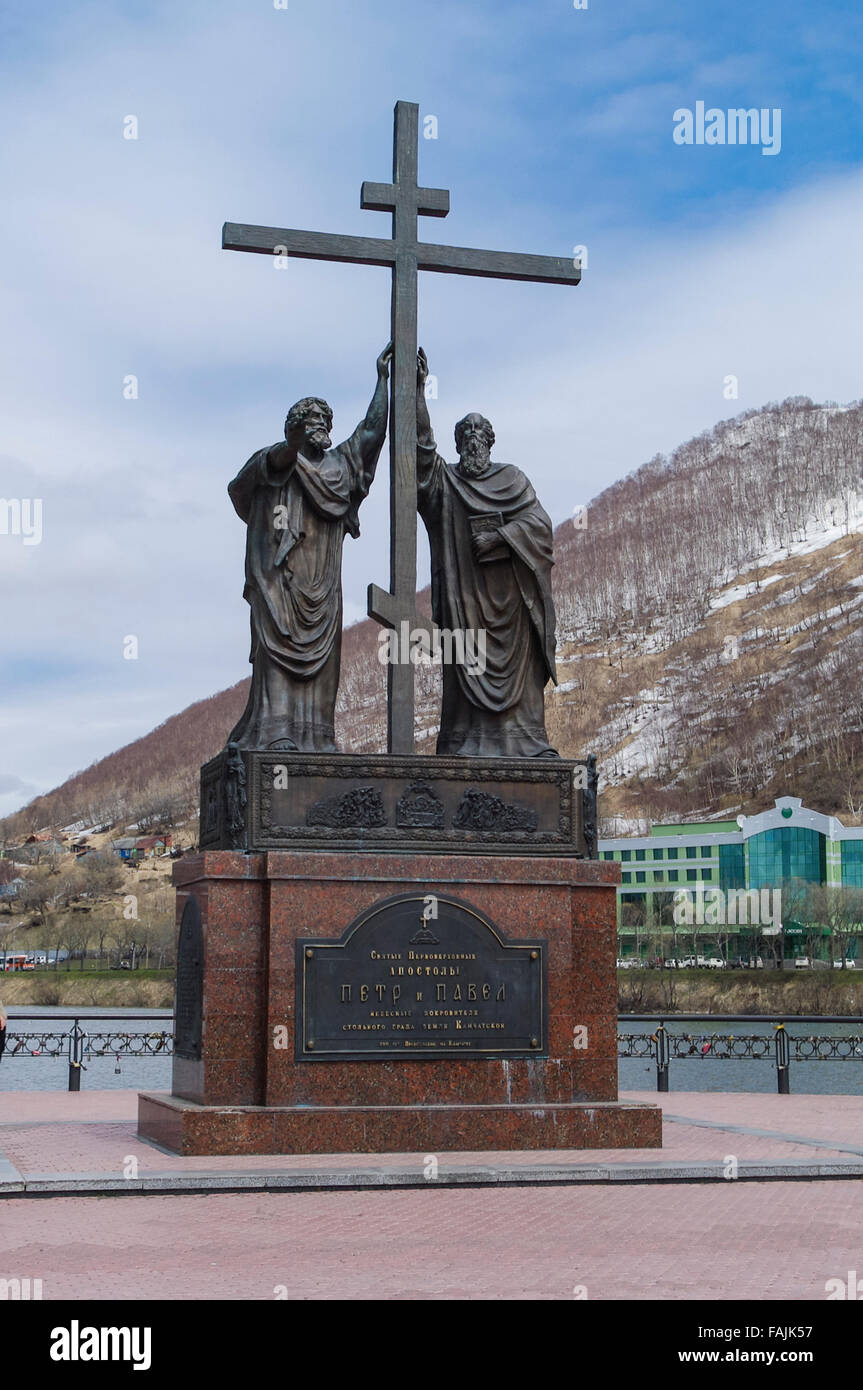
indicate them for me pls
(76, 1041)
(783, 1060)
(661, 1047)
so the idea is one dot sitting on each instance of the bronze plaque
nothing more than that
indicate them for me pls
(190, 984)
(421, 976)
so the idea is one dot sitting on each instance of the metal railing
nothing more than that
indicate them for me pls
(781, 1047)
(80, 1044)
(663, 1046)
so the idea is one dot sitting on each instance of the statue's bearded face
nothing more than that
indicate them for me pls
(474, 438)
(308, 425)
(316, 430)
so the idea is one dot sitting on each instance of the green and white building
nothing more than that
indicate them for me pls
(762, 852)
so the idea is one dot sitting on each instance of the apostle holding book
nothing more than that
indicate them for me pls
(491, 556)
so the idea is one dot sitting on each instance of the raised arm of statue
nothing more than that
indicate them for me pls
(429, 462)
(425, 438)
(367, 439)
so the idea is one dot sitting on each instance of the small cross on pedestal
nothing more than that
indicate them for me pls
(404, 255)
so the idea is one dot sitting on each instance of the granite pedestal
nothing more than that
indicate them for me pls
(252, 1086)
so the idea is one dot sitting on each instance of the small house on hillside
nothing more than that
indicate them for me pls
(124, 847)
(34, 851)
(44, 837)
(133, 848)
(152, 845)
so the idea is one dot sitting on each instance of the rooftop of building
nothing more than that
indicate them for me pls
(786, 812)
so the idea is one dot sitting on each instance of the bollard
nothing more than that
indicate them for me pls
(660, 1040)
(783, 1061)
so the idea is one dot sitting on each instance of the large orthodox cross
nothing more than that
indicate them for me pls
(404, 255)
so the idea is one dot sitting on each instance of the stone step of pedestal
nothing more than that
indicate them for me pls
(189, 1129)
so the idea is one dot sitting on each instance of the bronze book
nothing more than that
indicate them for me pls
(490, 521)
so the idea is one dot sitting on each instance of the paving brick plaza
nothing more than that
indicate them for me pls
(749, 1238)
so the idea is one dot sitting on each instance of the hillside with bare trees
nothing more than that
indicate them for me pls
(709, 642)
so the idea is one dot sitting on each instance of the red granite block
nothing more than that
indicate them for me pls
(231, 892)
(520, 907)
(190, 1129)
(236, 1076)
(164, 1120)
(239, 992)
(255, 907)
(595, 1080)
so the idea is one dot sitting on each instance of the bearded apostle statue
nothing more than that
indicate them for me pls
(299, 499)
(491, 559)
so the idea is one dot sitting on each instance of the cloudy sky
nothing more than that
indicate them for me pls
(555, 129)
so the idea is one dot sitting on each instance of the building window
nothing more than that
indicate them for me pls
(707, 873)
(691, 875)
(706, 851)
(672, 853)
(626, 855)
(639, 877)
(625, 877)
(608, 854)
(659, 875)
(732, 867)
(852, 863)
(672, 875)
(659, 854)
(691, 851)
(639, 854)
(787, 852)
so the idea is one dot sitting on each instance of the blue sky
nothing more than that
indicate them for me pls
(554, 130)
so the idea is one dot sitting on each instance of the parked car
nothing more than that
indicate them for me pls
(715, 963)
(846, 964)
(801, 963)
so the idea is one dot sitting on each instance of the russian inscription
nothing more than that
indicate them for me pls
(390, 987)
(190, 984)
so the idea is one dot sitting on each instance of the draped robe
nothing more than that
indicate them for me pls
(296, 524)
(498, 712)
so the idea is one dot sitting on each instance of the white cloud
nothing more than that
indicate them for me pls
(112, 265)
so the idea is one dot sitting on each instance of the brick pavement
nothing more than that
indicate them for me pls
(55, 1132)
(730, 1240)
